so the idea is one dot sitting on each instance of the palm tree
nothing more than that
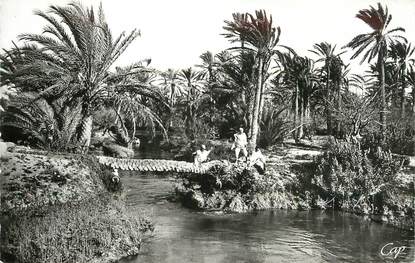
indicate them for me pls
(401, 53)
(209, 66)
(171, 85)
(72, 57)
(236, 83)
(262, 37)
(298, 75)
(40, 123)
(358, 111)
(376, 44)
(339, 72)
(327, 54)
(172, 88)
(133, 103)
(194, 95)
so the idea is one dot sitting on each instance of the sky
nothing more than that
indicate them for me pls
(174, 33)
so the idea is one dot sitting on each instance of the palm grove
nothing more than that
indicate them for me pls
(64, 87)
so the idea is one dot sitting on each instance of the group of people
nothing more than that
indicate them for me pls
(256, 159)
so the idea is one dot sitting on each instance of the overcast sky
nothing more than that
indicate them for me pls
(175, 32)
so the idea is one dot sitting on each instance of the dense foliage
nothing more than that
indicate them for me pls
(66, 88)
(357, 178)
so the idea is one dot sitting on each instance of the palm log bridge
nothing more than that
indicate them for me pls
(159, 165)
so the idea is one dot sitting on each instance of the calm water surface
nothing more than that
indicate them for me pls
(185, 236)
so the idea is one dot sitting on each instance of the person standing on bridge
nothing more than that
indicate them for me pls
(201, 155)
(241, 141)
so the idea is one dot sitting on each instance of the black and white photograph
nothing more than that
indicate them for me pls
(207, 131)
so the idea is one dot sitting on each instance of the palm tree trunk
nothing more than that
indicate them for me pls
(245, 106)
(413, 100)
(251, 100)
(257, 105)
(86, 133)
(295, 111)
(262, 101)
(132, 139)
(300, 130)
(121, 132)
(339, 107)
(383, 97)
(327, 102)
(402, 107)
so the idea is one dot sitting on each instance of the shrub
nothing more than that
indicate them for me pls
(273, 127)
(39, 123)
(352, 175)
(75, 233)
(400, 138)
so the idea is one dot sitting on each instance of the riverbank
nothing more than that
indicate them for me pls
(290, 183)
(65, 208)
(239, 188)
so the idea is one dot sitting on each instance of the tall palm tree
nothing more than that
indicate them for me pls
(133, 103)
(401, 53)
(172, 88)
(258, 34)
(170, 83)
(328, 55)
(72, 58)
(209, 66)
(194, 95)
(237, 79)
(375, 44)
(298, 75)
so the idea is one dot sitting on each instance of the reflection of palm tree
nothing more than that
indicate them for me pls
(378, 40)
(260, 35)
(73, 58)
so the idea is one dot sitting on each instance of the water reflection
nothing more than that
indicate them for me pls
(268, 236)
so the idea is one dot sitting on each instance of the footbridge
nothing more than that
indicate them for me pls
(159, 165)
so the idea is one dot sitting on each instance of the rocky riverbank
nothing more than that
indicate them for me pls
(286, 184)
(64, 208)
(239, 188)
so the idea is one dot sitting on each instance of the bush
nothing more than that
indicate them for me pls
(400, 138)
(39, 123)
(75, 233)
(354, 176)
(274, 128)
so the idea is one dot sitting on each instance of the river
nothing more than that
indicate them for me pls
(185, 236)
